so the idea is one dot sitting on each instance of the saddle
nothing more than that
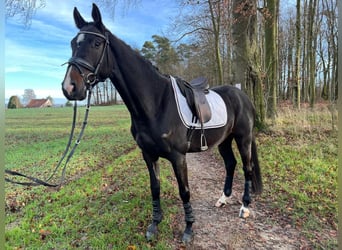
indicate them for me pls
(195, 92)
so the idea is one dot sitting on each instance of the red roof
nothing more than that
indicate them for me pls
(39, 103)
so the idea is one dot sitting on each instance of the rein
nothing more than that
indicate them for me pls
(90, 80)
(36, 181)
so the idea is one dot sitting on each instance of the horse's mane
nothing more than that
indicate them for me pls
(115, 40)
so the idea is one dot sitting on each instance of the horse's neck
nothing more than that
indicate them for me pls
(141, 87)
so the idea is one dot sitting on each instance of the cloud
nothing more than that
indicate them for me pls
(27, 58)
(13, 69)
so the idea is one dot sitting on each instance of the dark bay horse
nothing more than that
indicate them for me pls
(155, 122)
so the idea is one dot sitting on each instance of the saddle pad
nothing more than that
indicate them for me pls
(217, 107)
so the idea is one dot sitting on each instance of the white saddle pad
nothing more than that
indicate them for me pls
(217, 107)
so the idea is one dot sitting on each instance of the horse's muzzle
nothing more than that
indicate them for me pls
(75, 95)
(73, 85)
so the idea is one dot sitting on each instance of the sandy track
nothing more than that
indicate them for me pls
(221, 228)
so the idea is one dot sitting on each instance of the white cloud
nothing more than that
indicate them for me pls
(13, 69)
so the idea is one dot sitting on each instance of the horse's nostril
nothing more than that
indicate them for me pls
(72, 87)
(69, 87)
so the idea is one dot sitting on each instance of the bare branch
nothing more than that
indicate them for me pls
(191, 32)
(24, 10)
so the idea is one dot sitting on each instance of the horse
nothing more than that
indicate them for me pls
(156, 125)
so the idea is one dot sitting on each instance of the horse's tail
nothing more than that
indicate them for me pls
(256, 175)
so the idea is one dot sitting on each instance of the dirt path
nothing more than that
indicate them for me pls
(221, 228)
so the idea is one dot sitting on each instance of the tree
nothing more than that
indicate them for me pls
(104, 93)
(51, 99)
(298, 53)
(23, 10)
(271, 54)
(215, 10)
(149, 51)
(14, 102)
(204, 25)
(110, 5)
(327, 48)
(28, 96)
(246, 59)
(311, 51)
(68, 104)
(161, 53)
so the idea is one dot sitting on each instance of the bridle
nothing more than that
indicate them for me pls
(90, 79)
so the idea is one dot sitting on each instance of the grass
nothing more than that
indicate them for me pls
(106, 203)
(299, 165)
(298, 155)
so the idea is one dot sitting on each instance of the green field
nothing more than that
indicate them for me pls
(299, 156)
(106, 202)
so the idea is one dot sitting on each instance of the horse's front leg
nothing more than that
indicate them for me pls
(157, 214)
(181, 172)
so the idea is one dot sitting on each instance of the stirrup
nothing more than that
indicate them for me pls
(204, 145)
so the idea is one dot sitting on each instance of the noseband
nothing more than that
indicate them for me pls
(90, 79)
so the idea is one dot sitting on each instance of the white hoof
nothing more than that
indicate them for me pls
(224, 200)
(244, 212)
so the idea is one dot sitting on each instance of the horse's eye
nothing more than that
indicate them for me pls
(97, 44)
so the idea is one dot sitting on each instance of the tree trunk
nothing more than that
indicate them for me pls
(246, 58)
(216, 22)
(296, 77)
(311, 52)
(304, 80)
(271, 57)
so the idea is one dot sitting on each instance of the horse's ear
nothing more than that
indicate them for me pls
(79, 21)
(96, 15)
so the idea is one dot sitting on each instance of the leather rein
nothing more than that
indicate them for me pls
(35, 181)
(90, 79)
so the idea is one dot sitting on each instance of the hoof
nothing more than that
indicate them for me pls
(244, 212)
(224, 200)
(152, 232)
(188, 236)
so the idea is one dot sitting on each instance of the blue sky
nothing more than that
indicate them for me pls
(33, 56)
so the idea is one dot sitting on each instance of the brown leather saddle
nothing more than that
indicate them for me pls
(195, 94)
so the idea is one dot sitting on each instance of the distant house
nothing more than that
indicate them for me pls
(39, 103)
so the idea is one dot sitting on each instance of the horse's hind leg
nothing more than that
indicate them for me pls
(226, 151)
(157, 215)
(244, 144)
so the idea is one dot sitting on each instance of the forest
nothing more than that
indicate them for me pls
(278, 51)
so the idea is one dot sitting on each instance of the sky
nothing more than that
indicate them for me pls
(34, 54)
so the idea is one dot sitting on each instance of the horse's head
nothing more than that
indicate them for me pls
(88, 64)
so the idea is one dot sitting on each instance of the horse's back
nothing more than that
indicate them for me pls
(239, 106)
(234, 97)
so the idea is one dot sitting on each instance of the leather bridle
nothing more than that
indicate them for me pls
(91, 78)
